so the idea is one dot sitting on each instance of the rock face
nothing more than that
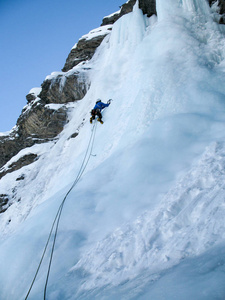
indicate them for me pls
(148, 7)
(35, 125)
(65, 88)
(41, 123)
(83, 51)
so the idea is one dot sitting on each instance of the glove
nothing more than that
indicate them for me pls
(109, 101)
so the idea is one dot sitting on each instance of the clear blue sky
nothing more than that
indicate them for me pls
(36, 37)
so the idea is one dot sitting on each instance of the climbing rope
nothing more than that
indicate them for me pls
(55, 223)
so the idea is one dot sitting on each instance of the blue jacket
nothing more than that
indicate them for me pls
(101, 105)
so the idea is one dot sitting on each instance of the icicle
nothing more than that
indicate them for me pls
(199, 6)
(167, 8)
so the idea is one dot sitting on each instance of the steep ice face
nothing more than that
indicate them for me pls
(167, 9)
(196, 6)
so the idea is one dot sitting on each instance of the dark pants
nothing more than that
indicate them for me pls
(96, 113)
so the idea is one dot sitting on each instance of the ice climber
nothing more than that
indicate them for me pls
(96, 111)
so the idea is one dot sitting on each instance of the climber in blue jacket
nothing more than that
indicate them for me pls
(96, 111)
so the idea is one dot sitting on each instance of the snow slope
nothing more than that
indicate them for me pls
(146, 220)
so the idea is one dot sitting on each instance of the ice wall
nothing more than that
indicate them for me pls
(196, 6)
(167, 8)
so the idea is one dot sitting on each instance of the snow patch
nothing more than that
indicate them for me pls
(102, 30)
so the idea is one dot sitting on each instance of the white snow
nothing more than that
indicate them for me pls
(54, 75)
(54, 106)
(35, 91)
(102, 30)
(97, 32)
(4, 133)
(8, 133)
(146, 220)
(111, 15)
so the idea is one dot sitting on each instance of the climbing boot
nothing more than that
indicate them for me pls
(91, 120)
(99, 120)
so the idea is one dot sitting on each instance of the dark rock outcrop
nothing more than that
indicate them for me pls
(21, 177)
(23, 161)
(65, 88)
(75, 134)
(83, 51)
(3, 202)
(30, 97)
(36, 125)
(41, 123)
(148, 7)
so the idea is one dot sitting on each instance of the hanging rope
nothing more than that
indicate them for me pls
(84, 164)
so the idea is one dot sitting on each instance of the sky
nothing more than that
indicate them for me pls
(36, 37)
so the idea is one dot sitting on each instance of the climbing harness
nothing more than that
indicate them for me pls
(55, 223)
